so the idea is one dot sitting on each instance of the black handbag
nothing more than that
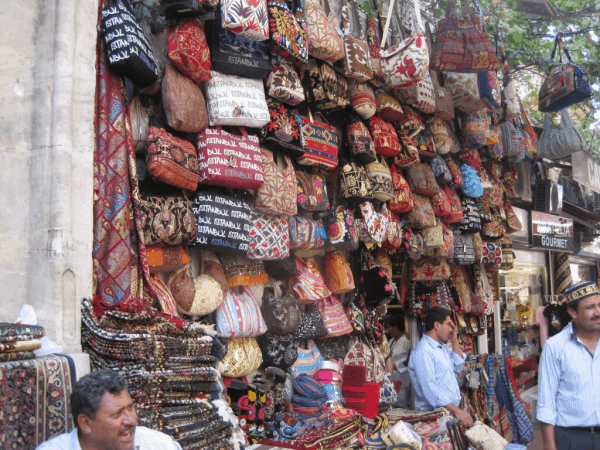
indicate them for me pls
(281, 314)
(234, 54)
(311, 325)
(282, 269)
(464, 249)
(127, 47)
(334, 348)
(471, 222)
(282, 134)
(278, 350)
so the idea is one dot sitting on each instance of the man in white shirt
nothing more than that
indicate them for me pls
(396, 360)
(105, 419)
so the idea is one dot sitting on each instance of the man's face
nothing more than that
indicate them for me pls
(445, 329)
(115, 422)
(587, 315)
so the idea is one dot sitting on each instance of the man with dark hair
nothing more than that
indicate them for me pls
(569, 377)
(396, 360)
(105, 419)
(432, 366)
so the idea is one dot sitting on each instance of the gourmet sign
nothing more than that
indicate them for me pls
(550, 232)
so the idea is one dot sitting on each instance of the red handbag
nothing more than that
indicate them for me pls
(320, 142)
(229, 160)
(188, 50)
(402, 202)
(385, 137)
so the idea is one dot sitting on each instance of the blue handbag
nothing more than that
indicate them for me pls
(565, 84)
(474, 130)
(489, 89)
(441, 171)
(471, 183)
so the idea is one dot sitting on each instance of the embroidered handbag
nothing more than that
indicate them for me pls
(446, 251)
(384, 136)
(421, 180)
(362, 354)
(565, 84)
(342, 229)
(167, 221)
(461, 44)
(229, 160)
(311, 324)
(441, 171)
(269, 237)
(508, 254)
(402, 201)
(354, 182)
(308, 286)
(489, 90)
(494, 195)
(425, 145)
(183, 102)
(188, 50)
(471, 183)
(441, 204)
(320, 142)
(307, 237)
(288, 35)
(311, 192)
(413, 244)
(465, 91)
(420, 96)
(360, 142)
(477, 246)
(195, 297)
(471, 157)
(281, 314)
(240, 316)
(513, 222)
(243, 357)
(166, 258)
(559, 142)
(357, 63)
(409, 153)
(127, 48)
(456, 215)
(375, 52)
(363, 99)
(324, 42)
(278, 194)
(441, 138)
(211, 265)
(223, 222)
(309, 361)
(284, 84)
(171, 160)
(433, 237)
(492, 253)
(429, 270)
(421, 216)
(388, 107)
(278, 350)
(411, 122)
(483, 288)
(373, 225)
(234, 54)
(381, 180)
(242, 271)
(444, 106)
(282, 133)
(394, 234)
(331, 90)
(334, 317)
(471, 222)
(509, 141)
(338, 273)
(464, 252)
(249, 19)
(474, 130)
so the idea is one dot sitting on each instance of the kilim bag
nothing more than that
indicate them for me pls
(165, 298)
(242, 358)
(308, 286)
(338, 273)
(242, 271)
(429, 270)
(342, 229)
(381, 180)
(278, 193)
(471, 157)
(167, 221)
(402, 201)
(127, 48)
(334, 317)
(324, 42)
(236, 101)
(384, 136)
(508, 254)
(250, 19)
(311, 324)
(171, 160)
(307, 237)
(420, 95)
(354, 182)
(223, 222)
(388, 107)
(362, 147)
(421, 216)
(331, 90)
(320, 142)
(282, 133)
(311, 192)
(477, 246)
(363, 99)
(474, 130)
(183, 102)
(461, 44)
(409, 153)
(513, 222)
(288, 36)
(240, 316)
(269, 237)
(281, 314)
(166, 258)
(565, 84)
(229, 160)
(309, 361)
(278, 350)
(465, 91)
(357, 63)
(421, 180)
(188, 50)
(285, 85)
(456, 215)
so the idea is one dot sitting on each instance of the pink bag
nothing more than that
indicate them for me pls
(229, 160)
(334, 317)
(308, 286)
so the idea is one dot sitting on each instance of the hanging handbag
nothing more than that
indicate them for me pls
(166, 258)
(331, 90)
(508, 141)
(236, 101)
(354, 182)
(444, 106)
(240, 316)
(282, 133)
(388, 107)
(421, 216)
(324, 42)
(278, 194)
(243, 357)
(360, 142)
(384, 136)
(307, 237)
(489, 90)
(372, 225)
(471, 222)
(477, 246)
(311, 324)
(362, 354)
(223, 222)
(446, 251)
(402, 201)
(183, 102)
(508, 254)
(308, 286)
(461, 44)
(394, 234)
(167, 221)
(311, 192)
(338, 273)
(249, 19)
(243, 271)
(342, 230)
(363, 99)
(410, 122)
(334, 317)
(320, 142)
(560, 142)
(441, 204)
(457, 179)
(210, 265)
(429, 270)
(465, 91)
(357, 64)
(464, 252)
(188, 50)
(441, 171)
(269, 237)
(381, 180)
(375, 51)
(456, 216)
(433, 237)
(482, 285)
(195, 297)
(565, 84)
(420, 96)
(309, 361)
(127, 48)
(421, 180)
(409, 153)
(171, 160)
(281, 314)
(229, 160)
(288, 36)
(471, 183)
(281, 270)
(474, 130)
(285, 85)
(375, 283)
(491, 253)
(278, 350)
(440, 134)
(512, 220)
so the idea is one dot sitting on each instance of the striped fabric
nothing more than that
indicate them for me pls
(569, 382)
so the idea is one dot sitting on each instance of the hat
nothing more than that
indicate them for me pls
(574, 294)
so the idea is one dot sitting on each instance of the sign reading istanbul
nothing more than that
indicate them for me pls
(586, 170)
(550, 232)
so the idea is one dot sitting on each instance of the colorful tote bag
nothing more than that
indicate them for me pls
(357, 60)
(381, 180)
(250, 19)
(402, 201)
(167, 220)
(288, 35)
(373, 225)
(342, 229)
(188, 50)
(284, 84)
(324, 42)
(282, 133)
(308, 286)
(421, 180)
(338, 273)
(311, 192)
(309, 361)
(363, 99)
(334, 317)
(278, 194)
(240, 316)
(320, 142)
(307, 235)
(269, 237)
(362, 147)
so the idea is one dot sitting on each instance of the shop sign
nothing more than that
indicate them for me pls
(586, 170)
(550, 232)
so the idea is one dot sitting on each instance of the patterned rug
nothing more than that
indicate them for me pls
(34, 401)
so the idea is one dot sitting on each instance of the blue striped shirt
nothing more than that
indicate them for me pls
(431, 367)
(569, 382)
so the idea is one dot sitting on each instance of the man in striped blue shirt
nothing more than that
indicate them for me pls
(569, 379)
(432, 366)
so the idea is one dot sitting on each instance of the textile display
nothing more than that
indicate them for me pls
(188, 50)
